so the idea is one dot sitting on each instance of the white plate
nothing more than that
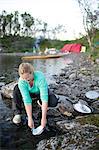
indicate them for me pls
(92, 94)
(38, 130)
(82, 108)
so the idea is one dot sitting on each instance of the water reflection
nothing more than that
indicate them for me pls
(49, 67)
(9, 66)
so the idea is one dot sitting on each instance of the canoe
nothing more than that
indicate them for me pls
(43, 56)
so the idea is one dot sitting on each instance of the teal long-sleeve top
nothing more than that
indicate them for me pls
(40, 86)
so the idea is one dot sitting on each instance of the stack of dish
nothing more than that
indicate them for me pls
(85, 108)
(82, 108)
(92, 94)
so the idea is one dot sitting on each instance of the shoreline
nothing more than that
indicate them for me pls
(14, 54)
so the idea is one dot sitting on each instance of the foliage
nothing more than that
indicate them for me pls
(94, 54)
(23, 44)
(90, 20)
(16, 43)
(26, 25)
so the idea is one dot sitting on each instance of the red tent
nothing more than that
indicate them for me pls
(71, 48)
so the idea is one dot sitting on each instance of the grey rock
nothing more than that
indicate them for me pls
(7, 90)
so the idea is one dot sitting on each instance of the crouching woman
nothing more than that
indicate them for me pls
(32, 84)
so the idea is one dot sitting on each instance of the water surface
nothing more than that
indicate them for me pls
(11, 136)
(9, 66)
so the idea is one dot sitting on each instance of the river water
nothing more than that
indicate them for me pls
(11, 136)
(9, 67)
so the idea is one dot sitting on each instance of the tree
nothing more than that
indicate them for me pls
(90, 19)
(39, 28)
(44, 30)
(36, 27)
(28, 21)
(9, 18)
(3, 23)
(57, 30)
(16, 24)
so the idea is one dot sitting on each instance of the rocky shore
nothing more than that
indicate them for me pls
(72, 130)
(79, 131)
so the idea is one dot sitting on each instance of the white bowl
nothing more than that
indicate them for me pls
(82, 108)
(92, 94)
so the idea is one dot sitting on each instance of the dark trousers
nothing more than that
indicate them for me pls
(18, 102)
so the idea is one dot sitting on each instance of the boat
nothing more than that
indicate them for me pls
(43, 56)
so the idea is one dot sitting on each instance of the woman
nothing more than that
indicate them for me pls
(32, 84)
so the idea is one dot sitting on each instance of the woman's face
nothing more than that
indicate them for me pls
(27, 76)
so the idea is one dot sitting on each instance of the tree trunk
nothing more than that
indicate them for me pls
(90, 44)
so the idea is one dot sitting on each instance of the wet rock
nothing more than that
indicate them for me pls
(7, 90)
(66, 108)
(95, 105)
(2, 84)
(72, 76)
(97, 61)
(2, 77)
(74, 139)
(53, 86)
(5, 112)
(76, 135)
(53, 112)
(67, 125)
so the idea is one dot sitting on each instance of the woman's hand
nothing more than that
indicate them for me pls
(30, 123)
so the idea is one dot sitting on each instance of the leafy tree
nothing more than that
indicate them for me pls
(16, 24)
(3, 23)
(28, 21)
(9, 18)
(90, 19)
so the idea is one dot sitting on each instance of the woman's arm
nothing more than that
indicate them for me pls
(44, 113)
(28, 108)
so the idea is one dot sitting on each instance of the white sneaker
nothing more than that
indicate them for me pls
(39, 103)
(38, 130)
(17, 119)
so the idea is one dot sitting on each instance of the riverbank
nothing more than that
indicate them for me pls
(66, 128)
(77, 130)
(15, 54)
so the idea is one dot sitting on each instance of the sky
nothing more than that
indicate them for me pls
(54, 12)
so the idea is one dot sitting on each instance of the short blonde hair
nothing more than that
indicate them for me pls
(25, 68)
